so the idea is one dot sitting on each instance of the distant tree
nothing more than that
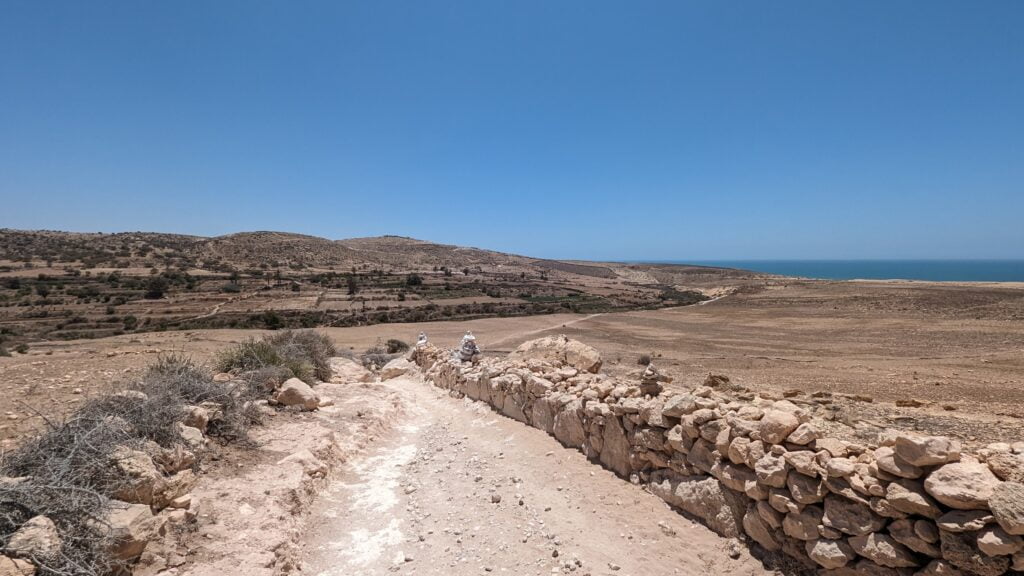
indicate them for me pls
(353, 285)
(413, 280)
(156, 287)
(43, 290)
(465, 271)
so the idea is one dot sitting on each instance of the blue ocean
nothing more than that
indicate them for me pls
(937, 270)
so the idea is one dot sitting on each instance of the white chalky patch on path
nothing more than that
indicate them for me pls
(379, 478)
(375, 494)
(366, 547)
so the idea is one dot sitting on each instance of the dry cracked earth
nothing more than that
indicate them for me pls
(458, 489)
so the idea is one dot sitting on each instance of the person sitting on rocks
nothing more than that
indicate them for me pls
(421, 341)
(468, 350)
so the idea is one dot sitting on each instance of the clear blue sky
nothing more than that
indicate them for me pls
(585, 129)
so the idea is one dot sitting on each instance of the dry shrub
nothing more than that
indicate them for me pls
(396, 346)
(305, 353)
(67, 469)
(377, 355)
(306, 345)
(68, 478)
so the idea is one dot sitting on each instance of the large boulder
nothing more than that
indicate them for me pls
(962, 485)
(346, 370)
(37, 538)
(395, 368)
(295, 392)
(559, 350)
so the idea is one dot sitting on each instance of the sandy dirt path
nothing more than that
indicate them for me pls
(462, 490)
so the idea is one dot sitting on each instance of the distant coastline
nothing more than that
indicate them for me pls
(931, 270)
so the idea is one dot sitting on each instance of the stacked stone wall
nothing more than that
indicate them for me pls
(760, 469)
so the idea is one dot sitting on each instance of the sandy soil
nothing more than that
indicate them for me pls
(459, 489)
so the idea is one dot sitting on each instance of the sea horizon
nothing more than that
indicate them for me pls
(936, 270)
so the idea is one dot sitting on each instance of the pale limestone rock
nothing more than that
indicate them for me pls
(131, 527)
(395, 368)
(850, 517)
(348, 371)
(1008, 467)
(964, 520)
(36, 538)
(960, 550)
(141, 481)
(771, 471)
(197, 417)
(1007, 504)
(16, 567)
(704, 497)
(926, 450)
(679, 405)
(805, 490)
(994, 541)
(903, 532)
(759, 530)
(909, 497)
(888, 461)
(803, 435)
(559, 350)
(803, 525)
(295, 392)
(830, 553)
(962, 485)
(776, 425)
(883, 550)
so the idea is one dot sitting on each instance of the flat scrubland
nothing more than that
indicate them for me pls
(945, 358)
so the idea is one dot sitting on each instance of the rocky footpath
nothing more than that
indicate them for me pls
(760, 469)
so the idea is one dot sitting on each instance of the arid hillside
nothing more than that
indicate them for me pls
(63, 285)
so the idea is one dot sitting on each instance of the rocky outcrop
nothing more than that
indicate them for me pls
(559, 350)
(760, 468)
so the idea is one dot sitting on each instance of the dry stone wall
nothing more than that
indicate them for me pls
(759, 469)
